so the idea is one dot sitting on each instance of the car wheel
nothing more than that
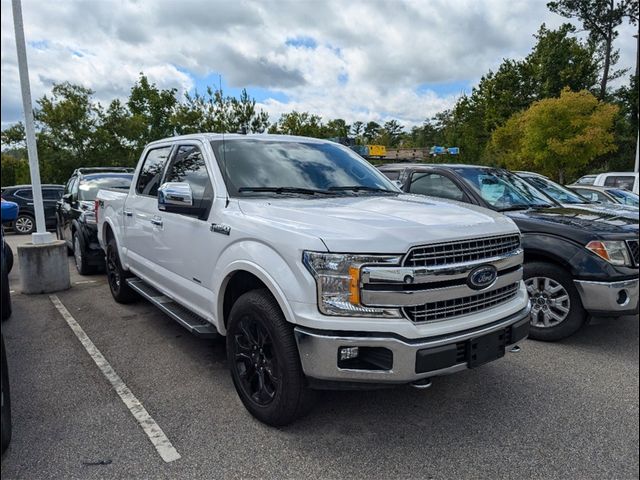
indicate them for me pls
(556, 307)
(24, 225)
(8, 257)
(79, 256)
(60, 236)
(117, 276)
(264, 360)
(5, 409)
(6, 293)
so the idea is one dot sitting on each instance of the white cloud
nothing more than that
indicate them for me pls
(369, 59)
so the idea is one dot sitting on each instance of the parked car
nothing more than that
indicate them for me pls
(8, 214)
(5, 406)
(577, 262)
(607, 195)
(76, 220)
(23, 196)
(625, 180)
(569, 198)
(317, 269)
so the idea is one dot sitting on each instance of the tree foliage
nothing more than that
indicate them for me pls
(557, 136)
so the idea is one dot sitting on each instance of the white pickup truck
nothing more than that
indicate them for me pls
(319, 271)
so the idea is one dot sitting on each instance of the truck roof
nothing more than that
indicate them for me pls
(207, 137)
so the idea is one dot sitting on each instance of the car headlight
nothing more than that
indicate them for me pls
(338, 279)
(613, 251)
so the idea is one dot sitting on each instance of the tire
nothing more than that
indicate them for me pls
(5, 410)
(6, 294)
(60, 236)
(24, 225)
(117, 276)
(79, 256)
(264, 360)
(8, 257)
(556, 307)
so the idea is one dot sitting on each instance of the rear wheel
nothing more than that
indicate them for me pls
(117, 276)
(556, 307)
(24, 225)
(6, 293)
(264, 361)
(8, 257)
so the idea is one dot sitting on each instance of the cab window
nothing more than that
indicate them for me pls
(188, 166)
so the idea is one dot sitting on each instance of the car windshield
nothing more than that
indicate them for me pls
(90, 184)
(264, 167)
(556, 191)
(503, 190)
(586, 180)
(623, 196)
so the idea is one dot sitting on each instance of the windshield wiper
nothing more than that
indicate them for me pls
(515, 207)
(306, 191)
(358, 188)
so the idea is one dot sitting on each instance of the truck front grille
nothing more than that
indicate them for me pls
(444, 310)
(462, 251)
(633, 248)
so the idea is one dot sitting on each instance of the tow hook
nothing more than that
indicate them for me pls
(515, 349)
(422, 383)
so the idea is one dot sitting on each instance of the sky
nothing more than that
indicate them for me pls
(358, 60)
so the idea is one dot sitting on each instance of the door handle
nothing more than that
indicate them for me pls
(157, 221)
(128, 213)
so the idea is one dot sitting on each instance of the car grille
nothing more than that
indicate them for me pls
(444, 310)
(633, 248)
(461, 252)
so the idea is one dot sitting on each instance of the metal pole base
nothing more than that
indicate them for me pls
(41, 238)
(44, 268)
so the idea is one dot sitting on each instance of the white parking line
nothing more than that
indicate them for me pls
(148, 424)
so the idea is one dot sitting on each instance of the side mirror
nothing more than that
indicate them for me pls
(67, 198)
(177, 197)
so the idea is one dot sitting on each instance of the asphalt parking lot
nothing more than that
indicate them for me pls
(553, 410)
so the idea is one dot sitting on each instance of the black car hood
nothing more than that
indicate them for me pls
(576, 224)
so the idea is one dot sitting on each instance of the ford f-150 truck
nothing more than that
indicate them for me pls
(319, 271)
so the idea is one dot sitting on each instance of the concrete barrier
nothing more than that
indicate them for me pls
(44, 268)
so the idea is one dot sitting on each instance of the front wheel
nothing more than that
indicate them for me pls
(264, 361)
(24, 225)
(556, 307)
(117, 276)
(8, 257)
(79, 256)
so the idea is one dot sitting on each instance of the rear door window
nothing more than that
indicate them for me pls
(51, 194)
(25, 193)
(151, 171)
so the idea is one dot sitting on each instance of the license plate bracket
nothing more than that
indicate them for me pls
(486, 348)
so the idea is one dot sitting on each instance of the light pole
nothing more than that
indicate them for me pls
(637, 165)
(41, 235)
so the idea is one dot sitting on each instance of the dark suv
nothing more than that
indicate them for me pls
(76, 220)
(576, 262)
(23, 196)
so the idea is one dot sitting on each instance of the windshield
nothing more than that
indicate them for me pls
(256, 167)
(623, 196)
(556, 191)
(503, 190)
(90, 185)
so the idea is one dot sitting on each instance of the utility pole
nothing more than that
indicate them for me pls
(637, 165)
(41, 235)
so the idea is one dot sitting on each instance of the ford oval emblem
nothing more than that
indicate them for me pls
(482, 277)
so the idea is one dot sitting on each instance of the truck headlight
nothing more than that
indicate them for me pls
(613, 251)
(338, 279)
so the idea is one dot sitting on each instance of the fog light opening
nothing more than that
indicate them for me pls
(347, 353)
(623, 298)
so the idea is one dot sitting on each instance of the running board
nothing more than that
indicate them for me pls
(189, 320)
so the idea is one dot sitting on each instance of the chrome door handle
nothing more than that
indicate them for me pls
(157, 221)
(128, 213)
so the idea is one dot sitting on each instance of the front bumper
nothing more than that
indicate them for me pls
(396, 360)
(609, 298)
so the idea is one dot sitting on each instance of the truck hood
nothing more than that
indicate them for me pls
(612, 209)
(378, 224)
(578, 224)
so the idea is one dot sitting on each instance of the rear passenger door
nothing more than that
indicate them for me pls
(141, 217)
(187, 249)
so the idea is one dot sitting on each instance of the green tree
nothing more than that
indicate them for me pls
(371, 132)
(600, 18)
(337, 128)
(299, 123)
(356, 130)
(391, 133)
(558, 137)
